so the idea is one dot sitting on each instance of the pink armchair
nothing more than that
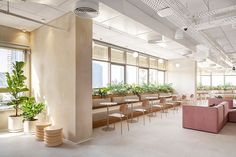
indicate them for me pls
(209, 119)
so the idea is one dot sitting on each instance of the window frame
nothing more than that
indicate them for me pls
(125, 64)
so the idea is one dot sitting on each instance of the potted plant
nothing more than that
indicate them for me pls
(16, 87)
(30, 110)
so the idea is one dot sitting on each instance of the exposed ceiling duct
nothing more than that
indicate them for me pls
(183, 18)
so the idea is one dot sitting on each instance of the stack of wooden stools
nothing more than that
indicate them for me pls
(39, 134)
(53, 136)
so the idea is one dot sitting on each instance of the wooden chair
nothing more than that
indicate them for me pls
(123, 113)
(145, 107)
(161, 105)
(174, 103)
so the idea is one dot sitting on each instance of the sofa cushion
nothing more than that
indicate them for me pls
(217, 101)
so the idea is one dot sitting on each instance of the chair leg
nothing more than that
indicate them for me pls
(143, 118)
(121, 129)
(127, 123)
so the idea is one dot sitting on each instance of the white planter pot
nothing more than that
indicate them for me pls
(15, 124)
(29, 126)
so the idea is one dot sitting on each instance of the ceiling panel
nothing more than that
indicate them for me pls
(106, 13)
(104, 32)
(127, 25)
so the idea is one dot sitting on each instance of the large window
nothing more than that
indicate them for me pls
(117, 74)
(100, 52)
(117, 56)
(230, 80)
(143, 76)
(153, 76)
(100, 74)
(206, 80)
(7, 58)
(119, 65)
(161, 77)
(143, 61)
(217, 80)
(131, 74)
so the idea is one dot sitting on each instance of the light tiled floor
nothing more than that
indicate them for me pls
(161, 138)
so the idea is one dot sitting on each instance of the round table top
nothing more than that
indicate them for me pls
(151, 97)
(131, 100)
(108, 103)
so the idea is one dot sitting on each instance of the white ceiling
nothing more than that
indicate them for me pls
(110, 26)
(210, 26)
(113, 27)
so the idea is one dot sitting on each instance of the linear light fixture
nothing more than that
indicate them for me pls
(165, 12)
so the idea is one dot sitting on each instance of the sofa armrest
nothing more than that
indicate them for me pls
(203, 118)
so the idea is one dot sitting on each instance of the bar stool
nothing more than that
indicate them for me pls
(53, 136)
(123, 113)
(39, 131)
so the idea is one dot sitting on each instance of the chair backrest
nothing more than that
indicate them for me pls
(123, 108)
(162, 100)
(174, 98)
(184, 97)
(145, 103)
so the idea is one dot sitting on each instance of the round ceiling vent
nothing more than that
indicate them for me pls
(87, 8)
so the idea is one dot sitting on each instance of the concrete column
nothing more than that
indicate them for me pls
(83, 79)
(62, 74)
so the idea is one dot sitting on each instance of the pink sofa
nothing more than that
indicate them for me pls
(217, 101)
(209, 119)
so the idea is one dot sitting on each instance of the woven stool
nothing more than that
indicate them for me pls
(53, 136)
(39, 131)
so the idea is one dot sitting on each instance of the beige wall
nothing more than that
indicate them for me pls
(61, 74)
(4, 114)
(183, 77)
(11, 36)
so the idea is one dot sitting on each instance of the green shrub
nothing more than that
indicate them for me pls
(16, 85)
(31, 109)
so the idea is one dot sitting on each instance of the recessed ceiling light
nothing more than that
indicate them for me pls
(177, 65)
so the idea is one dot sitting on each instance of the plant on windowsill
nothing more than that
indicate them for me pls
(119, 89)
(30, 110)
(16, 87)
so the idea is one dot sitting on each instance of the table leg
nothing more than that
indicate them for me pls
(151, 108)
(108, 128)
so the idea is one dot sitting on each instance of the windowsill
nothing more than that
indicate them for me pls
(6, 108)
